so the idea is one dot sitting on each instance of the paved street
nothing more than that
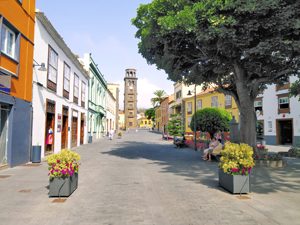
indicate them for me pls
(141, 179)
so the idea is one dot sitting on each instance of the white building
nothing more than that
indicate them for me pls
(59, 94)
(278, 115)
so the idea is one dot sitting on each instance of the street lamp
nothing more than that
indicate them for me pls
(189, 94)
(42, 66)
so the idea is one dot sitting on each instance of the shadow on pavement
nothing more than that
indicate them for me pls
(186, 162)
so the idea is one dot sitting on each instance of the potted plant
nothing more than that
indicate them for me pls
(63, 173)
(119, 134)
(269, 159)
(235, 166)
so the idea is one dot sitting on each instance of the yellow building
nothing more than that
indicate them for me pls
(121, 120)
(206, 99)
(143, 122)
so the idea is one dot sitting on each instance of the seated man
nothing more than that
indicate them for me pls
(179, 142)
(216, 151)
(213, 143)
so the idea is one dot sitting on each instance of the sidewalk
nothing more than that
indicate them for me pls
(142, 180)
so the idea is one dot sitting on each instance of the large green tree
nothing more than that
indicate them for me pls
(238, 45)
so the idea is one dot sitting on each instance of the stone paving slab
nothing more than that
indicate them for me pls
(141, 179)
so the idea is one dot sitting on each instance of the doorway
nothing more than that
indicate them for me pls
(74, 128)
(64, 131)
(4, 116)
(284, 131)
(49, 131)
(82, 129)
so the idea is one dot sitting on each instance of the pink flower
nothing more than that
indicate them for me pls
(234, 170)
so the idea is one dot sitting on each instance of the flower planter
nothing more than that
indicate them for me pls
(63, 187)
(235, 184)
(270, 163)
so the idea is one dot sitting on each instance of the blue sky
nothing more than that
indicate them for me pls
(103, 27)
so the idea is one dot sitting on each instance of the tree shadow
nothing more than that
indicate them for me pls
(188, 163)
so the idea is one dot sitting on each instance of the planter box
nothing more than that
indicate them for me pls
(63, 187)
(235, 184)
(270, 163)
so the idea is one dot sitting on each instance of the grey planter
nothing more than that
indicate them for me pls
(63, 187)
(235, 184)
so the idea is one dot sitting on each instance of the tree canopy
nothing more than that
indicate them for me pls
(175, 127)
(239, 46)
(295, 89)
(150, 114)
(211, 120)
(158, 97)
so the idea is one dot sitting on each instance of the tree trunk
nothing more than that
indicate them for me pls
(246, 108)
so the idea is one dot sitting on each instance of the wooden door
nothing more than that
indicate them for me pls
(64, 129)
(50, 122)
(82, 129)
(74, 131)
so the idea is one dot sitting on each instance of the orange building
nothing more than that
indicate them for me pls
(17, 19)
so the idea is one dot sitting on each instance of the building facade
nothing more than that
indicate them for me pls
(110, 112)
(130, 99)
(121, 120)
(115, 90)
(17, 19)
(97, 99)
(278, 115)
(143, 122)
(60, 94)
(206, 99)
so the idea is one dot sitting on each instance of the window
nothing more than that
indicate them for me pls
(258, 105)
(52, 69)
(8, 41)
(178, 94)
(199, 104)
(189, 120)
(189, 108)
(228, 101)
(67, 74)
(283, 103)
(76, 88)
(83, 86)
(283, 86)
(214, 101)
(270, 126)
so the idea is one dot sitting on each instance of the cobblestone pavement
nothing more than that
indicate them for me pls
(141, 179)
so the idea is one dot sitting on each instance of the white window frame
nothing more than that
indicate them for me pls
(52, 65)
(286, 100)
(199, 104)
(67, 77)
(5, 31)
(76, 85)
(214, 101)
(228, 100)
(83, 90)
(258, 103)
(189, 108)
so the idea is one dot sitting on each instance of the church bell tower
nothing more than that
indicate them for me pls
(130, 98)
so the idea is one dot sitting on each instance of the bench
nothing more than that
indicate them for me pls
(180, 143)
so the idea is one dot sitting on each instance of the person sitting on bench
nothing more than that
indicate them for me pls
(212, 145)
(179, 142)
